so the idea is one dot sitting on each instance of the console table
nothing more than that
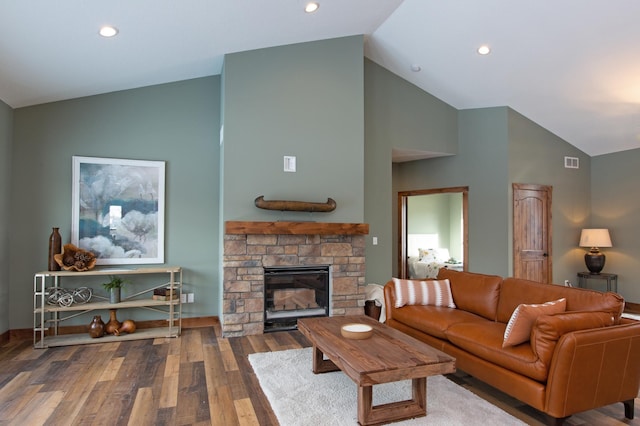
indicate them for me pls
(611, 279)
(47, 317)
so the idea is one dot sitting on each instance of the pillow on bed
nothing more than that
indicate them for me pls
(427, 256)
(524, 316)
(423, 292)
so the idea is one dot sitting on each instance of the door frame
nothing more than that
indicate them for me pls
(403, 199)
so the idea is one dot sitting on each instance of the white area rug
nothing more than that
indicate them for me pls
(299, 397)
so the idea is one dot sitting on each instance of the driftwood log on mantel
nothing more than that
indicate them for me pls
(295, 206)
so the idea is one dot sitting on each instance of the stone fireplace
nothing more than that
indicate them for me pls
(249, 247)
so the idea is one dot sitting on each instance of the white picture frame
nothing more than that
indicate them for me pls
(118, 209)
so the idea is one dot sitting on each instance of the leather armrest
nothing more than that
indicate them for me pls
(389, 299)
(593, 368)
(549, 328)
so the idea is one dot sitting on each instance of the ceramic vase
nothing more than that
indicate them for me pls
(55, 247)
(113, 326)
(96, 327)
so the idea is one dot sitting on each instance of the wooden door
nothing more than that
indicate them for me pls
(532, 232)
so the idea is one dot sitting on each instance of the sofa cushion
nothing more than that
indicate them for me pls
(476, 293)
(515, 291)
(484, 340)
(519, 327)
(423, 292)
(433, 320)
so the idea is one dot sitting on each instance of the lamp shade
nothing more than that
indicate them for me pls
(595, 238)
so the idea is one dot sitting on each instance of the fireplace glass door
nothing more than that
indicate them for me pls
(294, 292)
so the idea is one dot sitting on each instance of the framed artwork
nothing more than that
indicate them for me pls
(118, 209)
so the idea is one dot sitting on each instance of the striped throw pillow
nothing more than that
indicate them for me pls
(427, 292)
(524, 316)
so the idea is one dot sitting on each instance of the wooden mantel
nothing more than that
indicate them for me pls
(295, 228)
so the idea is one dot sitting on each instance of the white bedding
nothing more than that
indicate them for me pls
(429, 262)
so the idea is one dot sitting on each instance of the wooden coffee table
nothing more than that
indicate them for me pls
(387, 356)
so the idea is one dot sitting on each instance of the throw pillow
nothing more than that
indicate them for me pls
(427, 292)
(426, 256)
(524, 316)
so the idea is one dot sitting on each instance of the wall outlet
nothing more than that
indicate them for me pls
(190, 298)
(567, 283)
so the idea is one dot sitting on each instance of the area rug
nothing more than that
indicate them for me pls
(299, 397)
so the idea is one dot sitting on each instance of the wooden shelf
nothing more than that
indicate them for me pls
(295, 228)
(106, 270)
(85, 339)
(91, 306)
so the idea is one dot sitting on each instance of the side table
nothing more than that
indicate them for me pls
(612, 280)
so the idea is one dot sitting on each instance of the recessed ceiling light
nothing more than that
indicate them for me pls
(484, 49)
(108, 31)
(311, 7)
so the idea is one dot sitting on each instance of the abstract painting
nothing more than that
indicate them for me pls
(118, 209)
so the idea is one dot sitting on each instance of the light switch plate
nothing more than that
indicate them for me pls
(289, 163)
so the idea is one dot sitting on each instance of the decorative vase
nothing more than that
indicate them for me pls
(114, 295)
(55, 247)
(96, 327)
(372, 310)
(128, 326)
(113, 326)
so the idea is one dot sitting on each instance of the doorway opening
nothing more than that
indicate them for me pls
(432, 231)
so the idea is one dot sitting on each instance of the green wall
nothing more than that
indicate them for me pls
(397, 115)
(303, 100)
(615, 205)
(499, 147)
(6, 132)
(177, 123)
(537, 156)
(430, 215)
(481, 164)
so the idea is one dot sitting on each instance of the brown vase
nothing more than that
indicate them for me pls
(55, 247)
(113, 326)
(128, 326)
(96, 327)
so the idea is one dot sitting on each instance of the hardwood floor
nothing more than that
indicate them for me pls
(197, 379)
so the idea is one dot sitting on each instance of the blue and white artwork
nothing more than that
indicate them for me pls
(118, 209)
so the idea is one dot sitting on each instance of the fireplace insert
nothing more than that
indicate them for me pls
(294, 292)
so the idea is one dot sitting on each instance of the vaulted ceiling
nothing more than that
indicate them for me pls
(572, 66)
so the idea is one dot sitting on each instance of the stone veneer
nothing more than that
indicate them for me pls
(246, 255)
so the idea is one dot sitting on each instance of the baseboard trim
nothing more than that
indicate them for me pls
(27, 333)
(633, 308)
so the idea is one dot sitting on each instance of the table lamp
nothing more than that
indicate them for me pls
(595, 238)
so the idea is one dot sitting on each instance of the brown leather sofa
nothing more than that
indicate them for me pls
(584, 358)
